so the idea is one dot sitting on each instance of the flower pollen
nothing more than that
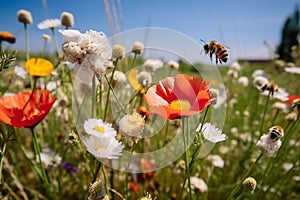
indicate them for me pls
(100, 129)
(180, 105)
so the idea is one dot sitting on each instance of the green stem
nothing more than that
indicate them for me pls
(37, 153)
(1, 160)
(97, 171)
(33, 89)
(133, 60)
(105, 178)
(185, 134)
(27, 41)
(264, 113)
(245, 175)
(274, 118)
(93, 96)
(55, 42)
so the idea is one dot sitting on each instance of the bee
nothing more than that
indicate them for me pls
(214, 47)
(296, 104)
(271, 87)
(275, 132)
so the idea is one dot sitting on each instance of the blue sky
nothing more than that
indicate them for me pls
(241, 25)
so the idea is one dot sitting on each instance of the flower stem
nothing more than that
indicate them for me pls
(264, 113)
(185, 134)
(37, 153)
(133, 60)
(33, 89)
(105, 178)
(93, 96)
(27, 41)
(245, 175)
(55, 42)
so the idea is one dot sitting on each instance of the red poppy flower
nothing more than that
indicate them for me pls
(174, 97)
(15, 113)
(291, 98)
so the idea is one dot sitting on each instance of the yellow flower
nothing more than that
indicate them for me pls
(7, 36)
(134, 82)
(39, 67)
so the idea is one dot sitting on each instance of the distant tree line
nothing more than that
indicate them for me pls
(290, 36)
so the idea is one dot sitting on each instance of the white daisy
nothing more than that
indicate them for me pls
(173, 65)
(98, 128)
(211, 133)
(20, 71)
(52, 85)
(260, 81)
(258, 72)
(49, 24)
(235, 66)
(137, 48)
(108, 148)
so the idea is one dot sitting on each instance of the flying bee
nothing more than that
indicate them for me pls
(275, 132)
(214, 47)
(271, 87)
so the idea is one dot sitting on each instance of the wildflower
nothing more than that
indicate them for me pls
(137, 48)
(98, 128)
(280, 106)
(211, 133)
(69, 167)
(25, 109)
(151, 65)
(96, 191)
(118, 52)
(67, 19)
(49, 24)
(38, 67)
(213, 93)
(133, 187)
(108, 148)
(174, 97)
(216, 160)
(7, 37)
(131, 127)
(244, 81)
(46, 37)
(24, 17)
(90, 52)
(293, 70)
(142, 110)
(20, 71)
(291, 98)
(279, 63)
(49, 158)
(134, 82)
(287, 166)
(118, 77)
(250, 183)
(291, 117)
(232, 73)
(147, 197)
(258, 72)
(270, 142)
(144, 79)
(173, 65)
(235, 66)
(52, 85)
(260, 81)
(199, 184)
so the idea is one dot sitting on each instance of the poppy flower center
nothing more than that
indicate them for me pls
(100, 129)
(100, 148)
(180, 105)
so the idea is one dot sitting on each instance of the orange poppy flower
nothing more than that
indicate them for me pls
(38, 67)
(7, 36)
(174, 97)
(291, 98)
(15, 113)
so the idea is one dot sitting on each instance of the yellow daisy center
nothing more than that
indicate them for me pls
(100, 148)
(100, 129)
(180, 105)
